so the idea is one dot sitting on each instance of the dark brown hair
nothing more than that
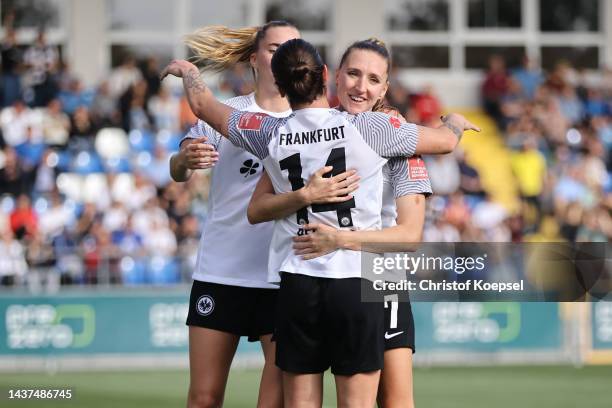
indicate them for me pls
(298, 71)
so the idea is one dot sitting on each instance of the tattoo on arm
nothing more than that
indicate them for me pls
(454, 128)
(193, 82)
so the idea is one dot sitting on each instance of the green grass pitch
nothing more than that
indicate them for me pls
(457, 387)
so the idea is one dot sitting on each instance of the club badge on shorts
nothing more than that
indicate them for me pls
(205, 305)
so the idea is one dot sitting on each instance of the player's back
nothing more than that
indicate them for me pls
(308, 140)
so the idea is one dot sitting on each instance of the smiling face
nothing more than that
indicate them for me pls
(362, 80)
(261, 59)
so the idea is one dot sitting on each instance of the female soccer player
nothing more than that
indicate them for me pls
(321, 321)
(361, 82)
(231, 296)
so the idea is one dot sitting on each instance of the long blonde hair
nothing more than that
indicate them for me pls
(218, 47)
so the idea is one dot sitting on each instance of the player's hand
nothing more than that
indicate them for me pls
(198, 154)
(336, 189)
(321, 240)
(459, 121)
(178, 68)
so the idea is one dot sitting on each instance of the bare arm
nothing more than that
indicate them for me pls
(265, 205)
(201, 99)
(445, 138)
(405, 236)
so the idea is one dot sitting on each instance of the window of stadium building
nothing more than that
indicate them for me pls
(421, 56)
(494, 13)
(314, 15)
(417, 15)
(140, 14)
(477, 57)
(570, 15)
(31, 13)
(234, 13)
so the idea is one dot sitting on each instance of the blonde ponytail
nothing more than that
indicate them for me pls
(218, 47)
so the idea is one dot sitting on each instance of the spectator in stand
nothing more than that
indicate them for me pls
(596, 226)
(494, 88)
(116, 217)
(104, 107)
(31, 151)
(53, 221)
(55, 125)
(101, 257)
(146, 217)
(427, 107)
(150, 73)
(457, 212)
(186, 117)
(23, 219)
(11, 69)
(571, 107)
(14, 180)
(128, 241)
(86, 219)
(165, 110)
(529, 168)
(529, 77)
(41, 61)
(470, 183)
(82, 131)
(188, 238)
(444, 174)
(133, 107)
(41, 261)
(75, 95)
(15, 119)
(513, 103)
(157, 171)
(596, 105)
(571, 219)
(123, 77)
(594, 168)
(13, 266)
(160, 241)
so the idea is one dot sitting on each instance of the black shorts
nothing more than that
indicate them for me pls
(399, 324)
(323, 323)
(232, 309)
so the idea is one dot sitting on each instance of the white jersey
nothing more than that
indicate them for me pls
(232, 251)
(295, 147)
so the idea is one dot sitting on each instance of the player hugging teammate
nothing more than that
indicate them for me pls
(321, 321)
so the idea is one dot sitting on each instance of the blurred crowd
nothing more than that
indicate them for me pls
(85, 192)
(86, 196)
(557, 130)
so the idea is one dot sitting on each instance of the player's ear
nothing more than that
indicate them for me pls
(325, 74)
(253, 60)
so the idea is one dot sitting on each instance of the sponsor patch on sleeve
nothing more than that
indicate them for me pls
(417, 169)
(251, 121)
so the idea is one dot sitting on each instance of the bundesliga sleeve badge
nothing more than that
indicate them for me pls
(395, 122)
